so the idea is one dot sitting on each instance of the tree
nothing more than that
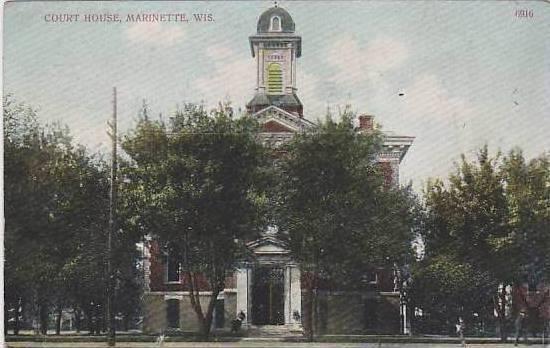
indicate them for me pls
(491, 219)
(527, 189)
(447, 289)
(195, 185)
(38, 163)
(56, 220)
(333, 202)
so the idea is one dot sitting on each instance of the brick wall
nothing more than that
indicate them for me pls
(157, 277)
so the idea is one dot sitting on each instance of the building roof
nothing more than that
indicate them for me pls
(279, 100)
(264, 22)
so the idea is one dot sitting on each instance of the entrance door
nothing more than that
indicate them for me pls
(268, 296)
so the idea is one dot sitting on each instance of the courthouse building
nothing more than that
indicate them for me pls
(270, 289)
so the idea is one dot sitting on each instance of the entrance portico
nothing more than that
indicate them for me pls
(268, 288)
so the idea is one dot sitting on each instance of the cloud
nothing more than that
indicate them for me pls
(355, 64)
(164, 34)
(312, 95)
(428, 98)
(232, 78)
(383, 54)
(444, 124)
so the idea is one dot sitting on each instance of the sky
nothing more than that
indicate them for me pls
(456, 75)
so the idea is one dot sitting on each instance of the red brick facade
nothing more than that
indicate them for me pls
(535, 301)
(158, 271)
(275, 127)
(387, 173)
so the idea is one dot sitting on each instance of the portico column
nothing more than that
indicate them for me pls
(293, 297)
(242, 292)
(288, 295)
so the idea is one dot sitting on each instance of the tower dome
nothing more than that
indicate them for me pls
(276, 48)
(275, 20)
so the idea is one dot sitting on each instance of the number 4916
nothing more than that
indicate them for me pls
(524, 13)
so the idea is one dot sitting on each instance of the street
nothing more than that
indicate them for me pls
(261, 343)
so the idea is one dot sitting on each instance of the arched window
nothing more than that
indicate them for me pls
(275, 23)
(274, 78)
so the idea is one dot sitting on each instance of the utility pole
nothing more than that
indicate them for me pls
(112, 132)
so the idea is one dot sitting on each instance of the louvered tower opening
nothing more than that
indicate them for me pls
(274, 79)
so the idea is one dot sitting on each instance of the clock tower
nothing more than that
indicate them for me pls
(276, 48)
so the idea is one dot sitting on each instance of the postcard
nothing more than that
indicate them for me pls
(294, 171)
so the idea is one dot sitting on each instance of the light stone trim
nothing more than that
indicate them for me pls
(173, 297)
(243, 289)
(176, 293)
(272, 252)
(278, 114)
(146, 265)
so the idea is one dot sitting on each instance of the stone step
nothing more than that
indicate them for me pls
(272, 331)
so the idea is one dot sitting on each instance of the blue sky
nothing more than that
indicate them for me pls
(471, 73)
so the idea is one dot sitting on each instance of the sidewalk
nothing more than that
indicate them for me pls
(348, 341)
(260, 343)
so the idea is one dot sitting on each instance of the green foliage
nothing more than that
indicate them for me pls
(491, 217)
(340, 218)
(469, 218)
(527, 189)
(446, 288)
(194, 183)
(56, 217)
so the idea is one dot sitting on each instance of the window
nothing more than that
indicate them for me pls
(323, 314)
(173, 265)
(219, 314)
(275, 24)
(370, 278)
(173, 313)
(274, 78)
(370, 312)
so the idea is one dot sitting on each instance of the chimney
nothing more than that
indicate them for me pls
(366, 122)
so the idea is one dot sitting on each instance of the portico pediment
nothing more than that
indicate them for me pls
(272, 126)
(276, 120)
(268, 245)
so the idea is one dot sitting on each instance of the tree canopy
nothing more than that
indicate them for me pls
(341, 219)
(490, 220)
(56, 218)
(196, 185)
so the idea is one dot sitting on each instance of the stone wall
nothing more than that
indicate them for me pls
(155, 308)
(348, 312)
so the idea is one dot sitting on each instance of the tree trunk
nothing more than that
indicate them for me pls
(88, 315)
(207, 321)
(77, 319)
(43, 313)
(104, 320)
(195, 299)
(126, 322)
(501, 312)
(58, 320)
(16, 324)
(6, 319)
(17, 311)
(34, 302)
(312, 320)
